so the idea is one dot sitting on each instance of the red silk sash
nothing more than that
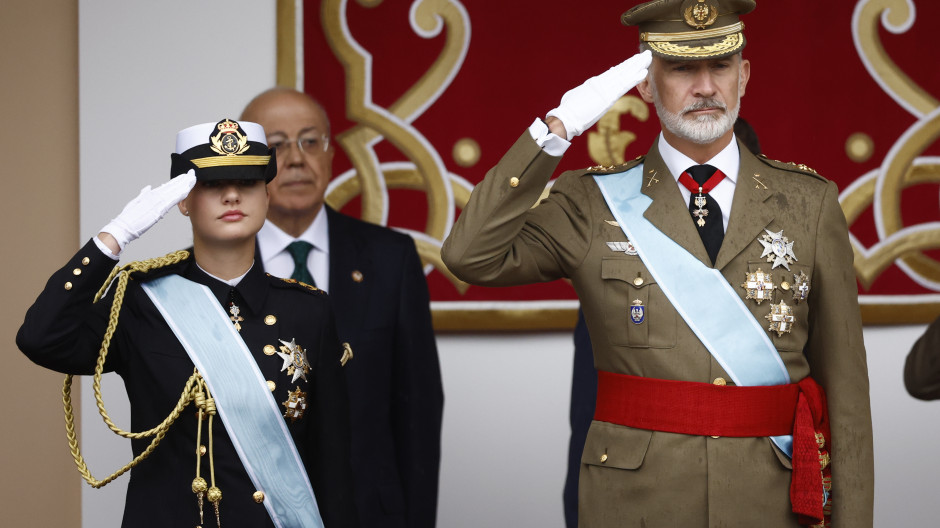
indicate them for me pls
(707, 409)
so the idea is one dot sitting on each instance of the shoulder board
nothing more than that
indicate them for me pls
(295, 284)
(611, 169)
(790, 166)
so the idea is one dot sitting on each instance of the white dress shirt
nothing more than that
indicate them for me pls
(277, 260)
(727, 161)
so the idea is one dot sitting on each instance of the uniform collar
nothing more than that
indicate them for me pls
(727, 161)
(252, 287)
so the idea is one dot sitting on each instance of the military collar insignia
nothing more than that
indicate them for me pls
(759, 286)
(295, 360)
(623, 247)
(295, 405)
(777, 249)
(228, 139)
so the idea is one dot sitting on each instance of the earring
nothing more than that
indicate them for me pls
(185, 213)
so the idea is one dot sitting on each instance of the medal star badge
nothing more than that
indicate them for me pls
(777, 249)
(781, 318)
(800, 287)
(759, 286)
(228, 139)
(623, 247)
(295, 360)
(295, 405)
(637, 312)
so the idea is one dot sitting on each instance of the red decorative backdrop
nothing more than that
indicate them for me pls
(809, 92)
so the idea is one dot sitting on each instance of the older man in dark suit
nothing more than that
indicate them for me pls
(380, 297)
(717, 287)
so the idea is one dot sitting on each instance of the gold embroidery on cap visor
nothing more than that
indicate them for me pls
(228, 161)
(727, 46)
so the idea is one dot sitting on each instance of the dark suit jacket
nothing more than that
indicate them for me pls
(380, 298)
(63, 331)
(632, 476)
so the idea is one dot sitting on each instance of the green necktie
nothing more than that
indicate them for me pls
(299, 250)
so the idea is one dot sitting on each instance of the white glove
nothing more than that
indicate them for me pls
(141, 213)
(581, 107)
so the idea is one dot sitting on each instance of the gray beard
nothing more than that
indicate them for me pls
(703, 129)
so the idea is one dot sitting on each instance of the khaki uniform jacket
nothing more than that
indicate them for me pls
(659, 479)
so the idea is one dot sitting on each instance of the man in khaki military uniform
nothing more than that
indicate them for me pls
(717, 287)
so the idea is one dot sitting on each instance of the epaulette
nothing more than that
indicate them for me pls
(790, 166)
(156, 267)
(612, 169)
(294, 283)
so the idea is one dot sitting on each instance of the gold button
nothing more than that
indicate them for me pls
(68, 285)
(271, 385)
(513, 182)
(270, 320)
(202, 450)
(85, 261)
(77, 271)
(258, 496)
(720, 382)
(638, 281)
(604, 458)
(269, 350)
(785, 285)
(357, 276)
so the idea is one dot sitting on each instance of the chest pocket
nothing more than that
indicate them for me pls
(637, 313)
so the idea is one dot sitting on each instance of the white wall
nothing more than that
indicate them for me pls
(148, 69)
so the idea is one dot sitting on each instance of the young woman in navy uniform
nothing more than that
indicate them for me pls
(288, 328)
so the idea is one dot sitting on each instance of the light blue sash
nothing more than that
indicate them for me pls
(249, 412)
(701, 295)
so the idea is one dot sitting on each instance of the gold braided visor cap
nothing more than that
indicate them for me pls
(690, 29)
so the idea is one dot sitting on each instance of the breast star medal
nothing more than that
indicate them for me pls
(800, 287)
(781, 318)
(777, 249)
(759, 286)
(623, 247)
(295, 360)
(637, 312)
(295, 405)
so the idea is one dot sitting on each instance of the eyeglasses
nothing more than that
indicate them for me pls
(308, 144)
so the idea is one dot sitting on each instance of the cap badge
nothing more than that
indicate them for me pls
(228, 140)
(701, 13)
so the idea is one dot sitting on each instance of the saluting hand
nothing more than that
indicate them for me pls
(583, 106)
(141, 213)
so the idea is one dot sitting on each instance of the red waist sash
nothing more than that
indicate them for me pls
(707, 409)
